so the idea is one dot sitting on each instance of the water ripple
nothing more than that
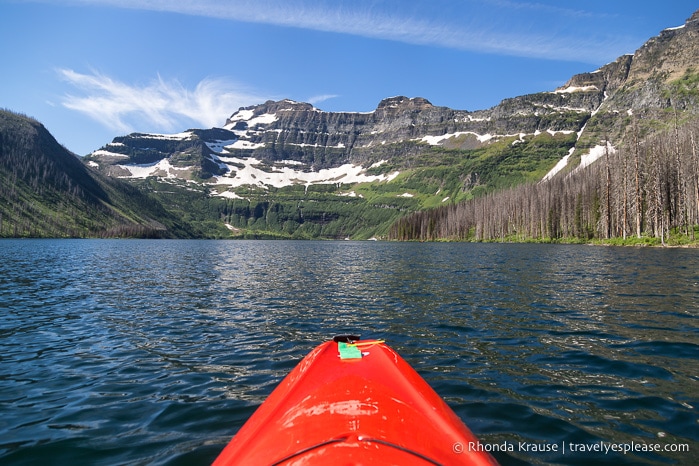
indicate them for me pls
(156, 352)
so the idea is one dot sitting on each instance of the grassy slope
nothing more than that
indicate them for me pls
(440, 175)
(46, 191)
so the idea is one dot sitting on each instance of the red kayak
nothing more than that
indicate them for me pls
(353, 402)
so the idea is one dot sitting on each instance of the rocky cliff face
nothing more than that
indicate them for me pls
(288, 140)
(668, 55)
(645, 87)
(286, 133)
(290, 130)
(188, 155)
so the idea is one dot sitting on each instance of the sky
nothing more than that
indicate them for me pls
(91, 70)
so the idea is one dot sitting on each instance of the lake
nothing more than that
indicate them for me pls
(157, 351)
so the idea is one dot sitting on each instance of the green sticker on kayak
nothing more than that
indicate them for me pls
(348, 351)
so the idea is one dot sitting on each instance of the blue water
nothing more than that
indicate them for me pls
(156, 352)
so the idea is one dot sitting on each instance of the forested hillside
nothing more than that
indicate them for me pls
(46, 191)
(609, 156)
(632, 178)
(647, 191)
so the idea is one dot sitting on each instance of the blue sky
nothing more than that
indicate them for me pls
(91, 70)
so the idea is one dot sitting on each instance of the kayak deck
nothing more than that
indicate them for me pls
(356, 403)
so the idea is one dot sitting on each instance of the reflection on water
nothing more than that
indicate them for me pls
(157, 351)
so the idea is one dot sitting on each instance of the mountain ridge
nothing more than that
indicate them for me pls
(285, 130)
(47, 191)
(288, 169)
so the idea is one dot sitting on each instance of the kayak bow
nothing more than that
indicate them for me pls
(353, 402)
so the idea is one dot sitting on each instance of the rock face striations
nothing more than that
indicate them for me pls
(282, 134)
(296, 138)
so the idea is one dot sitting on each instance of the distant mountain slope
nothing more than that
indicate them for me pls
(46, 191)
(286, 142)
(632, 177)
(648, 89)
(289, 168)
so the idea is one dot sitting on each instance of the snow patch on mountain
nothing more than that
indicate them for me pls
(555, 132)
(264, 119)
(337, 146)
(168, 137)
(594, 154)
(571, 89)
(586, 159)
(437, 140)
(241, 115)
(246, 145)
(483, 138)
(559, 166)
(351, 194)
(106, 153)
(255, 172)
(162, 169)
(249, 117)
(675, 28)
(218, 146)
(230, 195)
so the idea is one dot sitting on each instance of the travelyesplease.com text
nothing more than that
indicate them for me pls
(572, 447)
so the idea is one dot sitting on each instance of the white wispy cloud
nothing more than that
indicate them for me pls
(490, 26)
(163, 105)
(316, 99)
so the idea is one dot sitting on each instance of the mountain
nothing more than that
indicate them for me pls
(47, 191)
(286, 169)
(647, 88)
(632, 176)
(283, 143)
(287, 142)
(291, 169)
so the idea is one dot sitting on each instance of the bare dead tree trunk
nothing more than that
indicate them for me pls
(681, 191)
(639, 200)
(608, 216)
(695, 180)
(654, 194)
(625, 198)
